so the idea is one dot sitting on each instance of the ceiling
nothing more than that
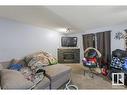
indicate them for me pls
(76, 18)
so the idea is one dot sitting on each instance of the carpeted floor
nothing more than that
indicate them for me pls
(86, 82)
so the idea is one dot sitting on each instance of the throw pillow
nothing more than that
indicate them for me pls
(27, 59)
(35, 65)
(52, 60)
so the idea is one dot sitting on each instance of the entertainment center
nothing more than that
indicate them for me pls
(68, 53)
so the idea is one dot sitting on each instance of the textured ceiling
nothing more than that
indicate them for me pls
(77, 18)
(90, 17)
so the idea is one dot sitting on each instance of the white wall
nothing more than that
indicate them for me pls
(18, 39)
(115, 44)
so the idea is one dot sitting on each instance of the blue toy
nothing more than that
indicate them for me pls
(15, 67)
(124, 66)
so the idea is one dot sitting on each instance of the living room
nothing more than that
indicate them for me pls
(59, 36)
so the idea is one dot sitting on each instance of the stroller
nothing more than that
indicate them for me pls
(90, 60)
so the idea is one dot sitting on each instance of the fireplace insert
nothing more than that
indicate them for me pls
(69, 55)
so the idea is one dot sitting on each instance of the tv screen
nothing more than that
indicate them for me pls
(69, 41)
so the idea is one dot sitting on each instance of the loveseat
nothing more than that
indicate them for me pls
(58, 74)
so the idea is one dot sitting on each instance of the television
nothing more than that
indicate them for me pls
(69, 41)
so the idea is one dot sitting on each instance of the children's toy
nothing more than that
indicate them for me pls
(90, 60)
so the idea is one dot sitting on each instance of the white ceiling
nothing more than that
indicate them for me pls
(77, 18)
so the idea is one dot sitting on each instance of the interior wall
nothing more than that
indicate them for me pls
(18, 39)
(115, 44)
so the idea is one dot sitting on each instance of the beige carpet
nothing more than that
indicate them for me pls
(86, 82)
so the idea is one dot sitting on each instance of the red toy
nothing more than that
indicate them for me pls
(104, 71)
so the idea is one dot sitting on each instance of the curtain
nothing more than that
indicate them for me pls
(88, 41)
(104, 45)
(125, 39)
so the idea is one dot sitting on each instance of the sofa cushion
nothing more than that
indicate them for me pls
(5, 64)
(45, 83)
(11, 79)
(1, 66)
(57, 71)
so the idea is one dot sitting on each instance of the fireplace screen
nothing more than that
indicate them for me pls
(68, 56)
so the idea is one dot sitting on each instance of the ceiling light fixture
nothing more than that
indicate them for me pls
(68, 30)
(64, 30)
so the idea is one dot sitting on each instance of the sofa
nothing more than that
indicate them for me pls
(57, 75)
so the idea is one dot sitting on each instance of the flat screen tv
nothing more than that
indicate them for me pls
(69, 41)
